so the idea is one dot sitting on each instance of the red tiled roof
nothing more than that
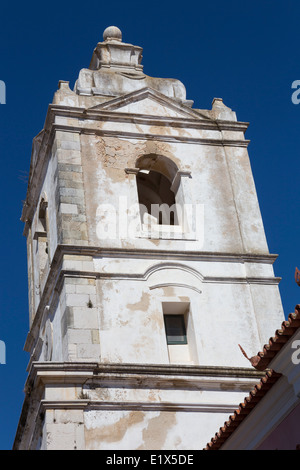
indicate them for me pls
(260, 362)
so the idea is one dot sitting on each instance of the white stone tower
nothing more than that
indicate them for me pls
(147, 264)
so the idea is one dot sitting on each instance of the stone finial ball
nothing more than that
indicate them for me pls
(112, 32)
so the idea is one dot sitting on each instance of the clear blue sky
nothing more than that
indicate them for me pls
(244, 52)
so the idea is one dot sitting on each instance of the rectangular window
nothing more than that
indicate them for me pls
(175, 329)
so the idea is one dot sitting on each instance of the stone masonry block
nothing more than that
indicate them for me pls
(69, 168)
(65, 436)
(70, 184)
(85, 318)
(70, 176)
(95, 336)
(76, 336)
(68, 208)
(68, 145)
(85, 289)
(88, 351)
(71, 192)
(78, 280)
(68, 416)
(71, 235)
(69, 137)
(79, 242)
(78, 300)
(67, 320)
(71, 200)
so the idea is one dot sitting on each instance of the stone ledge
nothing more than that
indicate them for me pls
(88, 405)
(82, 370)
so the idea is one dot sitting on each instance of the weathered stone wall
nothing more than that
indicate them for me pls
(101, 374)
(36, 277)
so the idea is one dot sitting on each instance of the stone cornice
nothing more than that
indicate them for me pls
(159, 137)
(98, 368)
(115, 252)
(116, 374)
(115, 116)
(138, 406)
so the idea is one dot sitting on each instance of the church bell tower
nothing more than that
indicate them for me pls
(147, 264)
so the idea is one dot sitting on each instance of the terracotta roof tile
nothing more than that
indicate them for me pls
(243, 410)
(260, 362)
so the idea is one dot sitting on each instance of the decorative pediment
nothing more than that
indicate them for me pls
(149, 102)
